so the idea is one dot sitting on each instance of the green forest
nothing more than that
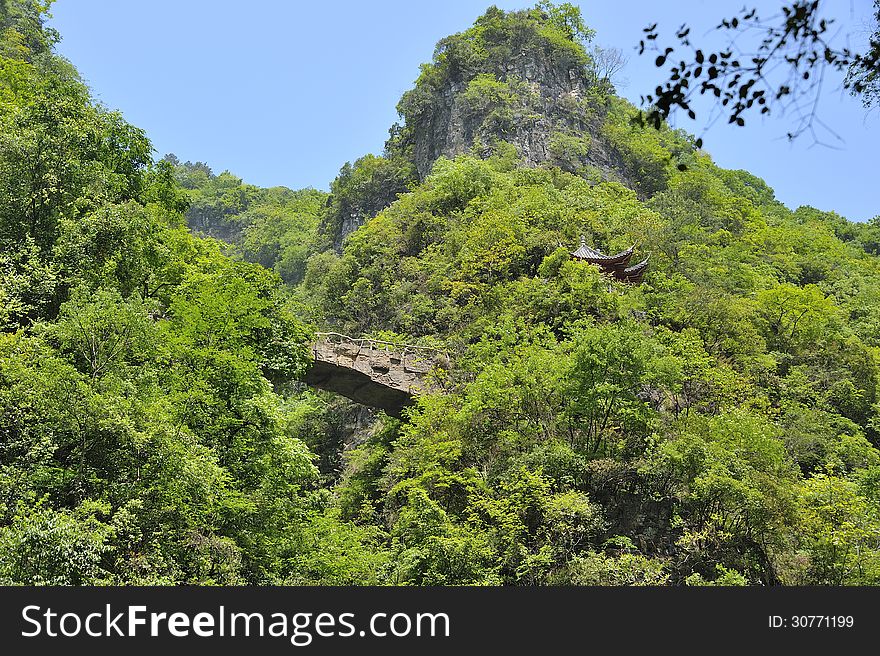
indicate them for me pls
(717, 424)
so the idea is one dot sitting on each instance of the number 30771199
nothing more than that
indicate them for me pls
(811, 622)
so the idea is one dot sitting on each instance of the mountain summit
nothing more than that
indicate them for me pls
(520, 79)
(522, 84)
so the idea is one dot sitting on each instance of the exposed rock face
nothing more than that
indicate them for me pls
(508, 82)
(546, 98)
(361, 191)
(211, 222)
(371, 197)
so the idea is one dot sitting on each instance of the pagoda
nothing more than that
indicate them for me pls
(615, 265)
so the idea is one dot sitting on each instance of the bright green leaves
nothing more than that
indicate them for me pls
(569, 149)
(485, 94)
(103, 334)
(141, 440)
(518, 531)
(23, 33)
(736, 495)
(713, 425)
(61, 156)
(141, 437)
(47, 547)
(608, 366)
(492, 250)
(116, 244)
(234, 307)
(533, 529)
(623, 569)
(28, 284)
(503, 87)
(63, 161)
(840, 529)
(454, 183)
(691, 408)
(646, 153)
(471, 238)
(796, 317)
(567, 18)
(282, 235)
(216, 208)
(430, 549)
(818, 439)
(361, 191)
(70, 440)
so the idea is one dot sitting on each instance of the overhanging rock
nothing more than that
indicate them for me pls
(372, 372)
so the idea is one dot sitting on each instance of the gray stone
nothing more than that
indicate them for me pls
(374, 373)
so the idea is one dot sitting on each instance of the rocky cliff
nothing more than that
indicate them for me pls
(517, 84)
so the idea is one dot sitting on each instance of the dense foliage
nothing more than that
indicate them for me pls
(719, 418)
(140, 438)
(276, 228)
(716, 425)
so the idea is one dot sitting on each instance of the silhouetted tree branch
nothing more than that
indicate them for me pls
(784, 71)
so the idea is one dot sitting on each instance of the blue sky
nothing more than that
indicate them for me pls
(284, 92)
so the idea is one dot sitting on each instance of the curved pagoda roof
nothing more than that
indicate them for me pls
(635, 273)
(593, 256)
(613, 265)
